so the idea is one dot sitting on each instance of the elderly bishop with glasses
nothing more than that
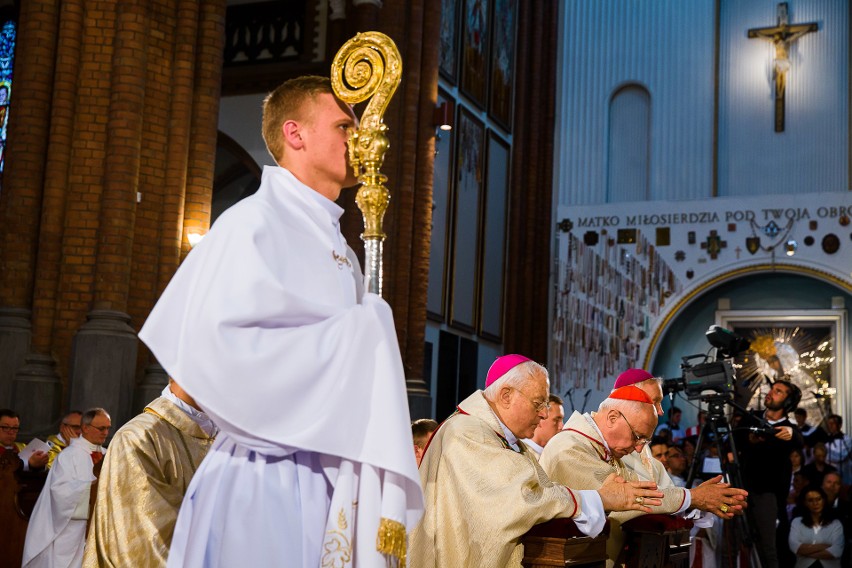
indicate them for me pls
(614, 440)
(484, 489)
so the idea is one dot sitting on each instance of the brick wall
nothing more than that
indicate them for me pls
(112, 98)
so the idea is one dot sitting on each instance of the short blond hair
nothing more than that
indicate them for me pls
(285, 103)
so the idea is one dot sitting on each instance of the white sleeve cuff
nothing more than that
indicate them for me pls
(701, 519)
(592, 517)
(687, 501)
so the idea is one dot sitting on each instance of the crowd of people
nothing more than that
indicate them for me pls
(284, 440)
(128, 516)
(785, 463)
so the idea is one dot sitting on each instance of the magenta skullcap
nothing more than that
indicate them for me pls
(631, 377)
(503, 365)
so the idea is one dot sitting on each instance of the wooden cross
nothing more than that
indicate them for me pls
(782, 36)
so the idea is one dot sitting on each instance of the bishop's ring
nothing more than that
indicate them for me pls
(640, 500)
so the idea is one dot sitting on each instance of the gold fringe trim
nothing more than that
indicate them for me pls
(391, 539)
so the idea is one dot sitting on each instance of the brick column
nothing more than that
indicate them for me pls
(60, 144)
(127, 102)
(208, 84)
(103, 363)
(180, 119)
(21, 200)
(21, 194)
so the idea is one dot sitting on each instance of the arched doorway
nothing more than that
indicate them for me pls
(236, 175)
(790, 309)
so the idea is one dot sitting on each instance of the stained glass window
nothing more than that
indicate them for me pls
(7, 60)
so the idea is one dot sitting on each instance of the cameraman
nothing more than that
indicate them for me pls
(764, 453)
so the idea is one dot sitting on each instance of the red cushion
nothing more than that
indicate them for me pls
(561, 528)
(657, 523)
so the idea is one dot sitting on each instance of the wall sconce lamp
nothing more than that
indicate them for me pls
(194, 239)
(442, 118)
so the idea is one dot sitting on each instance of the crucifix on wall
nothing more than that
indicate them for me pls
(782, 35)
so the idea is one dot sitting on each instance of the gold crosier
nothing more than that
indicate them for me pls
(369, 65)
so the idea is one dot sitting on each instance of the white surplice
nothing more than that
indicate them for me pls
(56, 533)
(266, 325)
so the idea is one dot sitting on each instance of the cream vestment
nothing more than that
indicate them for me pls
(150, 463)
(578, 456)
(482, 496)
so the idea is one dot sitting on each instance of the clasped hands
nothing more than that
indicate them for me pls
(619, 495)
(719, 498)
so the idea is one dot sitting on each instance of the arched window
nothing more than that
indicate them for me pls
(7, 61)
(629, 149)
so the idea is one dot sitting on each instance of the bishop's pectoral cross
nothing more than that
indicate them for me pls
(782, 36)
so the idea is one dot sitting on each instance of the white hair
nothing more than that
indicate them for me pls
(658, 380)
(515, 378)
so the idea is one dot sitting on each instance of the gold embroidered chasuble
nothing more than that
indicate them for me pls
(481, 496)
(578, 457)
(145, 474)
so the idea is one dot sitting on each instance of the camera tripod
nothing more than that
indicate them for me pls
(738, 536)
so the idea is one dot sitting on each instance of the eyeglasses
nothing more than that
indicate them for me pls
(72, 426)
(639, 440)
(10, 428)
(101, 428)
(539, 406)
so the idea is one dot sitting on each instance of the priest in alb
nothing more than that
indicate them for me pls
(56, 533)
(267, 326)
(485, 489)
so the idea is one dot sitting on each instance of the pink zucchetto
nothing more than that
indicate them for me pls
(631, 377)
(503, 365)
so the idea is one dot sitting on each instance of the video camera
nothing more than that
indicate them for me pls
(709, 375)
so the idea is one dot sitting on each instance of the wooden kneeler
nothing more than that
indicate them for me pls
(656, 541)
(560, 543)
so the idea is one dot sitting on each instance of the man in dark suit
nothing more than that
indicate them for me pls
(10, 425)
